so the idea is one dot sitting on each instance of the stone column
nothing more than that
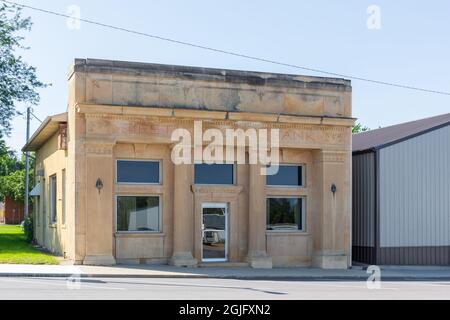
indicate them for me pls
(99, 211)
(183, 220)
(257, 249)
(333, 211)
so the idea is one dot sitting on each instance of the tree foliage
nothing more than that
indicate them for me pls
(8, 160)
(12, 174)
(13, 185)
(18, 80)
(358, 128)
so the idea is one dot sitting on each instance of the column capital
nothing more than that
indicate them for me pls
(331, 156)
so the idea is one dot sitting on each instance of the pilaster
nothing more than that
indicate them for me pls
(257, 246)
(99, 202)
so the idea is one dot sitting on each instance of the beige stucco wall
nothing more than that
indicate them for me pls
(52, 160)
(128, 111)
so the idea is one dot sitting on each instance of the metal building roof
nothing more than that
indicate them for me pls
(383, 137)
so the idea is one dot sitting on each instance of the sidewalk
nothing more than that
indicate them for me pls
(164, 271)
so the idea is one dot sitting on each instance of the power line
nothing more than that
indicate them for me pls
(398, 85)
(34, 116)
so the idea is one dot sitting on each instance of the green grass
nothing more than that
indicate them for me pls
(15, 250)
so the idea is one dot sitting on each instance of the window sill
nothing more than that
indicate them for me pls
(216, 188)
(139, 234)
(137, 189)
(53, 225)
(275, 191)
(274, 186)
(286, 233)
(138, 183)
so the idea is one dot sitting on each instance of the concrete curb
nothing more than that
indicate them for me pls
(237, 277)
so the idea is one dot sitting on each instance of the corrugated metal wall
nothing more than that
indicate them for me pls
(415, 200)
(363, 207)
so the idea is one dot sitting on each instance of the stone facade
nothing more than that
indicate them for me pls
(123, 110)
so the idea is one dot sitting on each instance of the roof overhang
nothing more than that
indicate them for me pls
(46, 130)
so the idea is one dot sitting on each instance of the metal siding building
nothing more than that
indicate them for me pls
(363, 204)
(401, 194)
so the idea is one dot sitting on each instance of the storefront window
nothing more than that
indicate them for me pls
(138, 213)
(285, 214)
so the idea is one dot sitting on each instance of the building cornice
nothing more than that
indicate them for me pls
(139, 112)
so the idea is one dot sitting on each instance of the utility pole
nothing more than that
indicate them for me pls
(27, 165)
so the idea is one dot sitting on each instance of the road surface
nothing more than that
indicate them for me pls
(204, 289)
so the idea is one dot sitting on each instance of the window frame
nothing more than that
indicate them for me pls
(63, 196)
(44, 201)
(53, 205)
(303, 184)
(37, 207)
(303, 214)
(234, 166)
(160, 176)
(160, 214)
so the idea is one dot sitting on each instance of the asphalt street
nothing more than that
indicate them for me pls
(211, 289)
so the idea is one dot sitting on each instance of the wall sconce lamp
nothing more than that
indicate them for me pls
(333, 188)
(99, 184)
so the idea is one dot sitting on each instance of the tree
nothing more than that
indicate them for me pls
(12, 174)
(18, 80)
(8, 160)
(13, 186)
(358, 128)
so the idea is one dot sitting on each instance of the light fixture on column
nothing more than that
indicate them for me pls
(333, 188)
(99, 184)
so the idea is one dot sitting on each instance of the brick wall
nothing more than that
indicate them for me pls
(13, 211)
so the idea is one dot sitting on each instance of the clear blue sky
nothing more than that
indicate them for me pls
(412, 47)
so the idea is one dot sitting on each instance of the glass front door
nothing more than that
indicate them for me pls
(214, 232)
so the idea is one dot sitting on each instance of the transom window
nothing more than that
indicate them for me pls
(285, 214)
(214, 173)
(287, 175)
(136, 171)
(138, 213)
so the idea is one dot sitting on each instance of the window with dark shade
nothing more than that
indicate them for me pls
(214, 174)
(131, 171)
(63, 196)
(53, 202)
(287, 175)
(285, 214)
(136, 214)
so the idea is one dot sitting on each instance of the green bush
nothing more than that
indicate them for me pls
(28, 229)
